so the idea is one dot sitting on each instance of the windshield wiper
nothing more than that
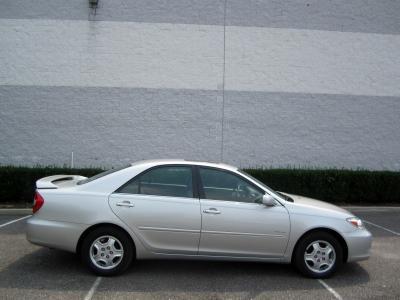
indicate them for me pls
(287, 198)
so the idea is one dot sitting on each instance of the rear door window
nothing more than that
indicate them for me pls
(171, 181)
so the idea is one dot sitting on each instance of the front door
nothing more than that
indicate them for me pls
(234, 222)
(159, 206)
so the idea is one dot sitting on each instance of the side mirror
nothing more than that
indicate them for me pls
(268, 200)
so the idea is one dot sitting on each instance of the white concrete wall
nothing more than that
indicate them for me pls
(299, 83)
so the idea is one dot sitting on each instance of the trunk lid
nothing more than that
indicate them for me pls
(58, 181)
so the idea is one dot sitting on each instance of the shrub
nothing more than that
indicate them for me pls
(335, 185)
(17, 184)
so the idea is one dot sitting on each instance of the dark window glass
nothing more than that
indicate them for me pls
(221, 185)
(131, 187)
(162, 181)
(102, 174)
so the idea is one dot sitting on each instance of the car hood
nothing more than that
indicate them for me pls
(313, 204)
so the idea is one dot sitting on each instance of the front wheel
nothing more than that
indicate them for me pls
(107, 251)
(318, 255)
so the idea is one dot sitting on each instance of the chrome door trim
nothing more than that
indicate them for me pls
(243, 233)
(168, 229)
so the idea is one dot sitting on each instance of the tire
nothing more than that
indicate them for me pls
(318, 255)
(107, 251)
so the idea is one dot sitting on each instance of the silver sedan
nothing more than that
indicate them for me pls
(190, 210)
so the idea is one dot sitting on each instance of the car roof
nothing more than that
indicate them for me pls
(155, 162)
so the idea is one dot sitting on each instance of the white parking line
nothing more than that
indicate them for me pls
(331, 290)
(381, 227)
(96, 283)
(13, 221)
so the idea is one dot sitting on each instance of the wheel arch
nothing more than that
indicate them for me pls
(95, 226)
(337, 235)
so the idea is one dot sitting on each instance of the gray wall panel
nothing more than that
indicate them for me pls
(44, 9)
(144, 82)
(340, 15)
(110, 54)
(379, 16)
(282, 129)
(208, 12)
(112, 126)
(107, 126)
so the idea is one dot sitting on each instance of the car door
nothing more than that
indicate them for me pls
(160, 206)
(234, 222)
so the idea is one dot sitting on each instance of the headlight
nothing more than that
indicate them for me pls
(356, 222)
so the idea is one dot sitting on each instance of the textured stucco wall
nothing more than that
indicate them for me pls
(273, 83)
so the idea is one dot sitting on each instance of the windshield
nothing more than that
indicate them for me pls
(285, 197)
(102, 174)
(256, 180)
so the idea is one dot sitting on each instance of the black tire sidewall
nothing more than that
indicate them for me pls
(126, 244)
(307, 240)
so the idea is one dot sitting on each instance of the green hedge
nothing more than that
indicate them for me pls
(17, 184)
(335, 185)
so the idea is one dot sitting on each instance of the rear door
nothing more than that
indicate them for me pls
(162, 207)
(234, 222)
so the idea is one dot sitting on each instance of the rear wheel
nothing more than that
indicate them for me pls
(318, 255)
(107, 251)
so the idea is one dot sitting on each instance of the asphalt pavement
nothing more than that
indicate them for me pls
(31, 272)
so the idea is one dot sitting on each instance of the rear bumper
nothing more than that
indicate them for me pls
(359, 245)
(54, 234)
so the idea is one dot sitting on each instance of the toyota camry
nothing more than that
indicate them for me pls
(163, 209)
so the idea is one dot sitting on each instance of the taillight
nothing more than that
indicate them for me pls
(37, 202)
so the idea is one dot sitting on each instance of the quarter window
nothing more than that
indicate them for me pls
(222, 185)
(172, 181)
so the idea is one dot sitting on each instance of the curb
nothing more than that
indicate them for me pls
(15, 211)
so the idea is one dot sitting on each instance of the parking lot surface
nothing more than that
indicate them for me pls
(32, 272)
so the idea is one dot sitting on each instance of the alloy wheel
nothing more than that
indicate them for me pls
(320, 256)
(106, 252)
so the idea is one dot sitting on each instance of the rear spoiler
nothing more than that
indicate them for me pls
(50, 182)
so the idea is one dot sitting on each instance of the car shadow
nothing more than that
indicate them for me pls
(58, 270)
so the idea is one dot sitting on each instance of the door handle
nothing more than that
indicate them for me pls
(212, 210)
(125, 203)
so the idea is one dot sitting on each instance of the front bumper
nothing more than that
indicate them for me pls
(54, 234)
(359, 244)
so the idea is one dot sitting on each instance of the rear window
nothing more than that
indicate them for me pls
(102, 174)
